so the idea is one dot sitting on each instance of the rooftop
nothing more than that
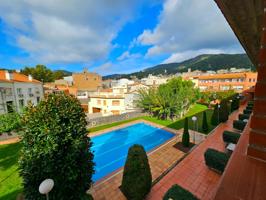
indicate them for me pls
(16, 77)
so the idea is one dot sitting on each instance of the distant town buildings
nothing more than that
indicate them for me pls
(152, 80)
(226, 81)
(17, 90)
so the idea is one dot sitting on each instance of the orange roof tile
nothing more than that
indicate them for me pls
(17, 77)
(223, 76)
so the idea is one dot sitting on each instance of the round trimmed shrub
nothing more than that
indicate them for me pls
(137, 179)
(185, 136)
(239, 124)
(243, 116)
(230, 137)
(205, 127)
(176, 192)
(215, 159)
(55, 145)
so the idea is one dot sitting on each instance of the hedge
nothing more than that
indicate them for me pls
(249, 107)
(239, 124)
(250, 103)
(243, 116)
(137, 178)
(230, 137)
(247, 111)
(176, 192)
(215, 159)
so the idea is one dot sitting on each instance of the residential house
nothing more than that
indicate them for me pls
(17, 90)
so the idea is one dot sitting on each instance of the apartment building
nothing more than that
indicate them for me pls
(230, 81)
(106, 104)
(154, 80)
(17, 90)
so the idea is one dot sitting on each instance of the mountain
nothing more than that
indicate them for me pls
(202, 62)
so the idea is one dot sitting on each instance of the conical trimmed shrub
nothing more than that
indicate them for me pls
(205, 127)
(224, 111)
(137, 179)
(214, 118)
(185, 136)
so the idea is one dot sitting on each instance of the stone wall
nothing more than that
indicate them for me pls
(114, 118)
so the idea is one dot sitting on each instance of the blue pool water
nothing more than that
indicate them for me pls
(110, 149)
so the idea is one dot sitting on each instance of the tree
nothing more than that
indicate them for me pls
(205, 126)
(40, 72)
(55, 145)
(9, 122)
(224, 111)
(137, 179)
(214, 119)
(185, 136)
(169, 100)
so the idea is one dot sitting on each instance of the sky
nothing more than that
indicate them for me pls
(108, 37)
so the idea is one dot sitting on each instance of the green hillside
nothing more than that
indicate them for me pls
(203, 62)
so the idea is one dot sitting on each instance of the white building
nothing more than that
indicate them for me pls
(17, 90)
(154, 80)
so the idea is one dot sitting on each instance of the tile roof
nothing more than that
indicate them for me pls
(223, 76)
(16, 77)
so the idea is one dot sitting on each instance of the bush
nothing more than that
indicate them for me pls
(230, 137)
(249, 107)
(247, 111)
(243, 116)
(205, 127)
(251, 103)
(178, 193)
(137, 179)
(239, 124)
(216, 159)
(55, 145)
(234, 104)
(185, 136)
(224, 111)
(9, 122)
(214, 118)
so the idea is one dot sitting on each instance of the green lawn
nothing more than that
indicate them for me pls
(195, 110)
(10, 182)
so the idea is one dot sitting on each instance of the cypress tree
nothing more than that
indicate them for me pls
(224, 111)
(185, 136)
(205, 127)
(214, 119)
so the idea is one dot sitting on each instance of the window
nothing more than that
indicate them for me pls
(38, 99)
(21, 103)
(30, 90)
(115, 103)
(99, 102)
(8, 92)
(104, 102)
(10, 107)
(19, 91)
(250, 80)
(254, 80)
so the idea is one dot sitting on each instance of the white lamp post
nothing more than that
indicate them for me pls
(219, 113)
(46, 186)
(231, 105)
(194, 119)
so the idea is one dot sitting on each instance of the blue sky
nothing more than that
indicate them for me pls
(110, 36)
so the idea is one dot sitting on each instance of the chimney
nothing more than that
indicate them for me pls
(30, 77)
(8, 75)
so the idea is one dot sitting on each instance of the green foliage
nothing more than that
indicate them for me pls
(251, 103)
(224, 111)
(176, 192)
(230, 137)
(216, 159)
(42, 73)
(243, 116)
(55, 145)
(246, 111)
(169, 100)
(205, 126)
(209, 96)
(9, 122)
(239, 124)
(137, 178)
(215, 117)
(185, 136)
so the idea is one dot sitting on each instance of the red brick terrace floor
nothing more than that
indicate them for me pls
(192, 173)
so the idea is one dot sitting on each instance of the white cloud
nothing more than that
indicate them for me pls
(189, 25)
(128, 55)
(66, 31)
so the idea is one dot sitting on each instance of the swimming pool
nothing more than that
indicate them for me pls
(110, 149)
